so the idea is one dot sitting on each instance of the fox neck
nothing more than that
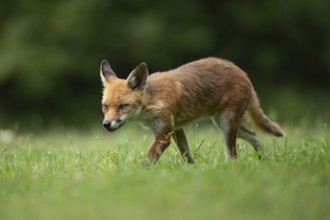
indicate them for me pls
(151, 114)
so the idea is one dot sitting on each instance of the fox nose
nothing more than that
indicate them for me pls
(106, 124)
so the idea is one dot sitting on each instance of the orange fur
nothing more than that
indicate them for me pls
(166, 101)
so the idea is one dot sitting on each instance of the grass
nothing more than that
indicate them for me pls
(95, 175)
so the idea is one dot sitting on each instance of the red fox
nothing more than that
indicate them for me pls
(167, 101)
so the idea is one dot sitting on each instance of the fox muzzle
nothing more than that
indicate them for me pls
(112, 125)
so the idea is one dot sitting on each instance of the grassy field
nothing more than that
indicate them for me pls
(66, 174)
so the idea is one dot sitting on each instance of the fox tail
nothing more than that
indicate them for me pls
(260, 120)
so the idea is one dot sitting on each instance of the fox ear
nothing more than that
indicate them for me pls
(137, 79)
(106, 71)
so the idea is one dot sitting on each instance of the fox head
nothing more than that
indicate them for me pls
(122, 99)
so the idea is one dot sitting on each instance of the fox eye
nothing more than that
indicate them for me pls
(122, 107)
(104, 108)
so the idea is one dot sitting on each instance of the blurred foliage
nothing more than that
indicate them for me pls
(50, 51)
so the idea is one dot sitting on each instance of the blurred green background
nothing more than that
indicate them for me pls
(50, 52)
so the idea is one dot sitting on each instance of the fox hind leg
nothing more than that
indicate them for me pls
(243, 133)
(251, 137)
(229, 123)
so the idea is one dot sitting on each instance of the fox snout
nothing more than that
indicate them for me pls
(112, 125)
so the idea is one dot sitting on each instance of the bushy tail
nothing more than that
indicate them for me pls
(261, 121)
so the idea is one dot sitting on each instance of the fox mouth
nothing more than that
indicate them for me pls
(115, 127)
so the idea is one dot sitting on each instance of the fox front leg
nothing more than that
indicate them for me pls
(181, 140)
(157, 148)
